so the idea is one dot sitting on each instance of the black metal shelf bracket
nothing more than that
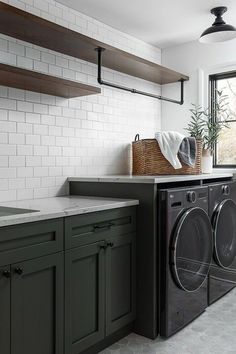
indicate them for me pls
(124, 88)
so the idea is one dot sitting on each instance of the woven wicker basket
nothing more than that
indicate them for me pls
(148, 159)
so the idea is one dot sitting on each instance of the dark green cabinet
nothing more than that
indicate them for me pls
(100, 290)
(30, 240)
(84, 297)
(120, 282)
(32, 292)
(67, 285)
(5, 323)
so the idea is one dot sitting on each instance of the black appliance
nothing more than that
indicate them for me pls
(222, 211)
(186, 245)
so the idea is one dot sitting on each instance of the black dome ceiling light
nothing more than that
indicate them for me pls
(219, 31)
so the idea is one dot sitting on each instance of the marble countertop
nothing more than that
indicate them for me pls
(150, 179)
(56, 207)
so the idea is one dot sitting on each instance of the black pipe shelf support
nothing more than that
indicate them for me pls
(124, 88)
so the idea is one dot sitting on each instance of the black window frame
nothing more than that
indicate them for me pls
(212, 96)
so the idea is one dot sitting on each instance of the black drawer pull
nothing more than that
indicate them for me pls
(19, 270)
(6, 273)
(103, 245)
(103, 227)
(110, 244)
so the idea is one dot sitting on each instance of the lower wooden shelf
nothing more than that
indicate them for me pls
(33, 81)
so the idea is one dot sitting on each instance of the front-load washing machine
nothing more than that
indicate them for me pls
(185, 251)
(222, 211)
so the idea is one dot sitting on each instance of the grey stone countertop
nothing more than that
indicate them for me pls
(150, 179)
(56, 207)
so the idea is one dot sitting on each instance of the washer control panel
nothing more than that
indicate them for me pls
(225, 189)
(191, 196)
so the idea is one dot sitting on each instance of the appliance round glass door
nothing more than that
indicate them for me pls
(191, 251)
(224, 228)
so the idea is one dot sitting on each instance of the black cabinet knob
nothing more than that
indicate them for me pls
(19, 270)
(103, 245)
(6, 273)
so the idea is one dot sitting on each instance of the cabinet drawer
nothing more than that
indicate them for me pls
(92, 227)
(26, 241)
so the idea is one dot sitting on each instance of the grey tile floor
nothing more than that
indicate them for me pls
(214, 332)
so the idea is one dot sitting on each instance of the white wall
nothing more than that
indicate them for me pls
(197, 61)
(44, 139)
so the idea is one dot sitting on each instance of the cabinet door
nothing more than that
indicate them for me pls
(84, 297)
(5, 285)
(37, 306)
(120, 282)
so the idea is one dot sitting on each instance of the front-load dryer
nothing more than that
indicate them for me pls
(222, 211)
(185, 252)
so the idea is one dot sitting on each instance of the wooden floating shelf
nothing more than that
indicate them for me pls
(30, 28)
(33, 81)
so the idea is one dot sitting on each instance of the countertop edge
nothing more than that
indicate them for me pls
(47, 215)
(150, 179)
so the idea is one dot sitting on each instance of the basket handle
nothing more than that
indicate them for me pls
(137, 138)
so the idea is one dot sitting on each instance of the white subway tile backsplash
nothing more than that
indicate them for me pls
(48, 182)
(8, 195)
(40, 129)
(40, 171)
(47, 119)
(7, 126)
(33, 161)
(48, 161)
(55, 151)
(54, 70)
(7, 172)
(40, 66)
(16, 94)
(32, 97)
(7, 103)
(40, 108)
(24, 106)
(33, 118)
(24, 172)
(16, 183)
(41, 5)
(16, 116)
(48, 58)
(56, 131)
(24, 62)
(15, 161)
(24, 150)
(32, 139)
(16, 49)
(25, 194)
(41, 150)
(24, 128)
(44, 138)
(15, 138)
(48, 140)
(34, 182)
(62, 62)
(7, 58)
(32, 53)
(4, 162)
(4, 138)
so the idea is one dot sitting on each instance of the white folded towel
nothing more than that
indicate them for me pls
(169, 143)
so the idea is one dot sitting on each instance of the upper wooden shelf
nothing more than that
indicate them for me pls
(30, 28)
(33, 81)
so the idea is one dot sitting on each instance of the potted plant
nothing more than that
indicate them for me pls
(206, 124)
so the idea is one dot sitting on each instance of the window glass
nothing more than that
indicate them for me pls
(225, 151)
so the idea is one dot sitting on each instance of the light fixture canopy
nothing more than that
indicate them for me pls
(219, 31)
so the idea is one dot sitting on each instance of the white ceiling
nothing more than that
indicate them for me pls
(162, 23)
